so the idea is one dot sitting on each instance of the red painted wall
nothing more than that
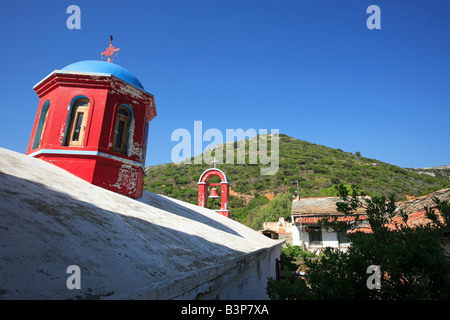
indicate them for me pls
(94, 161)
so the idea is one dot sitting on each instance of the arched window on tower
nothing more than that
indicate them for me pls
(77, 124)
(144, 149)
(121, 130)
(41, 125)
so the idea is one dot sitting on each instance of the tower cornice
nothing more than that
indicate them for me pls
(91, 80)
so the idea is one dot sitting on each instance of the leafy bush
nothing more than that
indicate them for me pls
(287, 289)
(413, 261)
(181, 180)
(280, 206)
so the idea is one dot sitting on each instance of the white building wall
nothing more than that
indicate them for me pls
(296, 240)
(329, 239)
(247, 279)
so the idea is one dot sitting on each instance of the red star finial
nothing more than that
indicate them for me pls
(110, 50)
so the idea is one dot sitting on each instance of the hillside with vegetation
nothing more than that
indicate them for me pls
(442, 172)
(256, 198)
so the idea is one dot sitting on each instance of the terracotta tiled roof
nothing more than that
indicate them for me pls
(417, 204)
(313, 209)
(415, 219)
(325, 205)
(415, 209)
(309, 220)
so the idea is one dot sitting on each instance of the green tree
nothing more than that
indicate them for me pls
(413, 261)
(280, 206)
(290, 287)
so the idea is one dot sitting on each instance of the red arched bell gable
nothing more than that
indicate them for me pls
(213, 172)
(203, 183)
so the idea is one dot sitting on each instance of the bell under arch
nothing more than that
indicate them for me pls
(223, 185)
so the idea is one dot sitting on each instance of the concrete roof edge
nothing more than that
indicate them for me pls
(212, 277)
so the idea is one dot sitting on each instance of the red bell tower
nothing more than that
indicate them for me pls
(203, 186)
(92, 120)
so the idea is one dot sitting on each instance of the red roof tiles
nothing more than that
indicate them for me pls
(415, 219)
(315, 220)
(325, 205)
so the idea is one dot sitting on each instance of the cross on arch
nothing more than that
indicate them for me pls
(214, 162)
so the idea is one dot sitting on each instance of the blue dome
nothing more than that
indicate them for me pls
(97, 66)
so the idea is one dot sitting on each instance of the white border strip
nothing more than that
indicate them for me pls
(88, 153)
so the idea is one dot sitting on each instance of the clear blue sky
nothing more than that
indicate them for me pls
(311, 69)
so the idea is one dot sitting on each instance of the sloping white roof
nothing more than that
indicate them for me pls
(153, 248)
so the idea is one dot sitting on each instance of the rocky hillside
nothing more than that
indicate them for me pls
(257, 198)
(438, 172)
